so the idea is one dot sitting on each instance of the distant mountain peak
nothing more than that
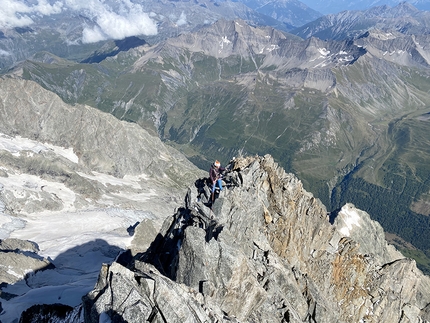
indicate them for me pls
(404, 18)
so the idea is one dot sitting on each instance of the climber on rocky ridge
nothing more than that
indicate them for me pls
(215, 176)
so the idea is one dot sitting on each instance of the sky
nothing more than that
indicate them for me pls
(127, 19)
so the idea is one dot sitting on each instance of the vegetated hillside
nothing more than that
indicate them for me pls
(342, 115)
(403, 18)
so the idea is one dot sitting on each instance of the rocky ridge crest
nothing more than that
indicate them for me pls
(266, 251)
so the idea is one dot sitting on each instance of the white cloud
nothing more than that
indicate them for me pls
(93, 35)
(44, 8)
(12, 14)
(182, 20)
(114, 26)
(124, 20)
(4, 53)
(15, 13)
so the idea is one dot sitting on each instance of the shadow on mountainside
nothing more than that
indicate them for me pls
(117, 47)
(68, 277)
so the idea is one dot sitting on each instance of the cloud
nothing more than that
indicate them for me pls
(125, 19)
(93, 35)
(4, 53)
(15, 13)
(111, 25)
(182, 19)
(11, 14)
(46, 9)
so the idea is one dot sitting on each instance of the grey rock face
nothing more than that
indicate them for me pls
(68, 161)
(19, 258)
(284, 51)
(144, 295)
(28, 110)
(142, 171)
(13, 245)
(264, 251)
(356, 224)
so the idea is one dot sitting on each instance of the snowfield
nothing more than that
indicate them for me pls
(76, 241)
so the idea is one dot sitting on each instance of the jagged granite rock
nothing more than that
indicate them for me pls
(264, 251)
(145, 295)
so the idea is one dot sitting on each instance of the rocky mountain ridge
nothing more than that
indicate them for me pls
(339, 114)
(336, 6)
(63, 31)
(264, 46)
(265, 251)
(403, 18)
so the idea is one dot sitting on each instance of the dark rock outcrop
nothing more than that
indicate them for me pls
(264, 251)
(47, 313)
(18, 259)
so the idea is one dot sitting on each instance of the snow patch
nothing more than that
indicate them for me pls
(164, 157)
(105, 179)
(323, 51)
(223, 41)
(78, 243)
(57, 232)
(30, 187)
(16, 145)
(65, 152)
(269, 48)
(4, 53)
(350, 219)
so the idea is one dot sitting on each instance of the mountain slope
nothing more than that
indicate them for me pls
(326, 110)
(75, 182)
(291, 12)
(403, 18)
